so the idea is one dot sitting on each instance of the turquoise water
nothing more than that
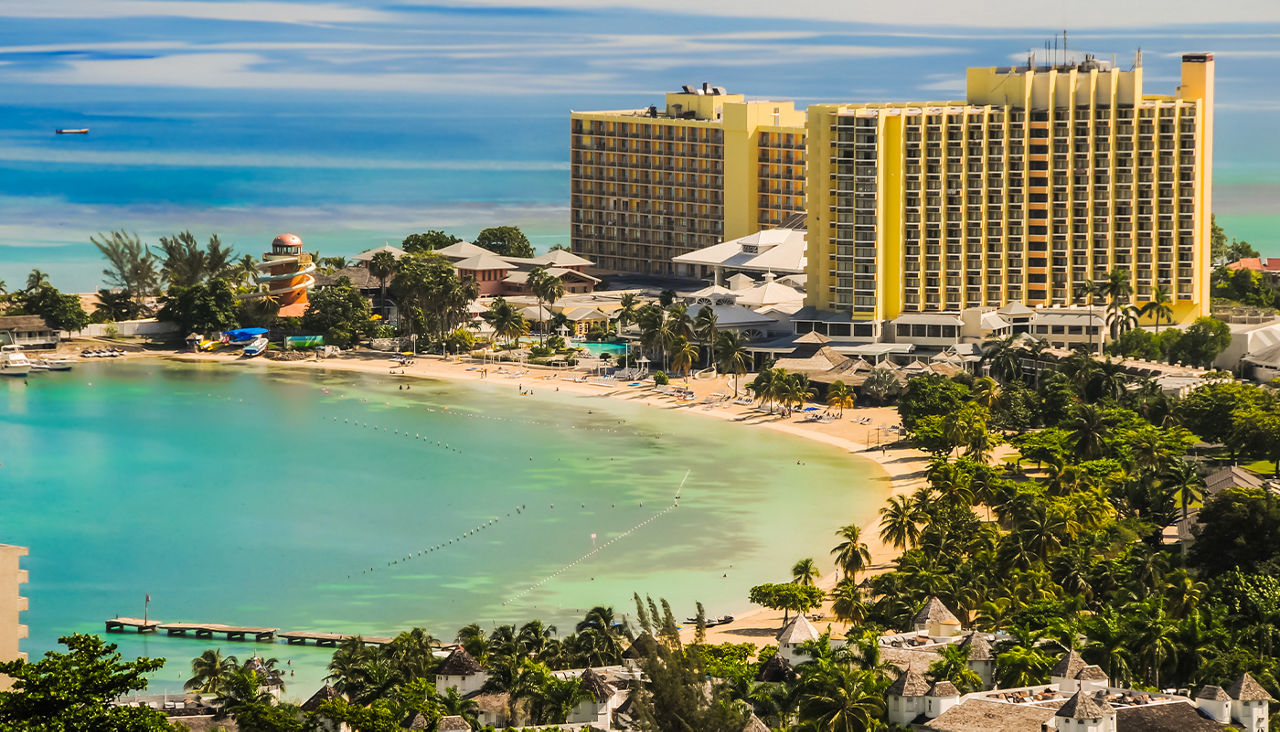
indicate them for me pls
(252, 495)
(613, 349)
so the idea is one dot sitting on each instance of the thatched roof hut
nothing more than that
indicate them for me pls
(459, 663)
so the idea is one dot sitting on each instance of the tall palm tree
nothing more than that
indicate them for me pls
(986, 392)
(762, 386)
(880, 385)
(731, 355)
(1087, 427)
(805, 572)
(705, 327)
(1183, 483)
(1090, 290)
(452, 702)
(626, 313)
(507, 322)
(837, 698)
(36, 280)
(852, 554)
(683, 355)
(382, 265)
(1160, 306)
(681, 321)
(840, 396)
(1117, 288)
(657, 331)
(242, 690)
(210, 672)
(546, 288)
(900, 518)
(847, 604)
(1004, 357)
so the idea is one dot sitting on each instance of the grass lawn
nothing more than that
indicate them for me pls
(1264, 468)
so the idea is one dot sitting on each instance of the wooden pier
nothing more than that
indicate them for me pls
(233, 632)
(329, 640)
(118, 625)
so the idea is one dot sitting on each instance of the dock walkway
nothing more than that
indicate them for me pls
(118, 625)
(208, 630)
(329, 640)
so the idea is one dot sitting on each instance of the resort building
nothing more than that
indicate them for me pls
(28, 331)
(774, 251)
(651, 184)
(12, 604)
(797, 632)
(1044, 178)
(462, 672)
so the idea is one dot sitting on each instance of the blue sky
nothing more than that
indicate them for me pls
(355, 123)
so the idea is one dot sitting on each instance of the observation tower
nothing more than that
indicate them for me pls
(285, 275)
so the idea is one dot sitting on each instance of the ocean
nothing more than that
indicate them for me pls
(247, 494)
(354, 125)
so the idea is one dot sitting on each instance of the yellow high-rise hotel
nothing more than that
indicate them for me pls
(650, 184)
(1044, 178)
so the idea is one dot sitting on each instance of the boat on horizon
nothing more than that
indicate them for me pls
(13, 362)
(79, 131)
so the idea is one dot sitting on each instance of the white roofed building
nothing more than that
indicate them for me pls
(780, 250)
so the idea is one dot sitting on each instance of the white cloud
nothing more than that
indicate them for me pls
(265, 12)
(254, 71)
(987, 14)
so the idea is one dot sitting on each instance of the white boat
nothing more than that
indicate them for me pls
(256, 347)
(13, 362)
(54, 364)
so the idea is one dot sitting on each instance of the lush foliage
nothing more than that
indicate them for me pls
(339, 312)
(507, 241)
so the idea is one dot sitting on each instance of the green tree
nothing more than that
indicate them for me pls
(1137, 343)
(1201, 343)
(930, 395)
(1239, 529)
(61, 312)
(840, 396)
(1160, 307)
(805, 572)
(852, 555)
(1022, 666)
(339, 312)
(705, 327)
(507, 322)
(202, 308)
(683, 355)
(183, 263)
(431, 296)
(731, 355)
(838, 698)
(881, 385)
(900, 520)
(75, 690)
(383, 265)
(428, 241)
(210, 671)
(545, 287)
(131, 266)
(788, 597)
(1217, 241)
(953, 665)
(507, 241)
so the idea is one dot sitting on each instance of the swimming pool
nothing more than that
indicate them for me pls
(613, 349)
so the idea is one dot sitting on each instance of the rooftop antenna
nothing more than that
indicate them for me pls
(1064, 45)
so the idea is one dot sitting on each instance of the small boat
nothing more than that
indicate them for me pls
(725, 619)
(13, 362)
(256, 347)
(79, 131)
(38, 365)
(57, 364)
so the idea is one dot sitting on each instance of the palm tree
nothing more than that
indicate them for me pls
(1087, 428)
(731, 355)
(1117, 289)
(1004, 357)
(805, 572)
(242, 691)
(452, 702)
(705, 327)
(852, 554)
(683, 354)
(657, 330)
(953, 665)
(681, 321)
(210, 672)
(899, 522)
(36, 280)
(507, 322)
(1183, 483)
(1022, 666)
(382, 265)
(880, 385)
(847, 604)
(626, 312)
(837, 698)
(986, 392)
(840, 396)
(1090, 290)
(762, 386)
(1160, 306)
(546, 288)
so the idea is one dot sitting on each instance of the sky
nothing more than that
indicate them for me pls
(352, 124)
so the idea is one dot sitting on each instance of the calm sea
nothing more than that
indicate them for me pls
(247, 495)
(355, 132)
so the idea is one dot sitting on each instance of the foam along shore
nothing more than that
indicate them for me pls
(904, 466)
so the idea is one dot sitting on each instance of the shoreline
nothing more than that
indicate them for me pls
(902, 466)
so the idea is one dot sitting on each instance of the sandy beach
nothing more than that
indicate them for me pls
(903, 465)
